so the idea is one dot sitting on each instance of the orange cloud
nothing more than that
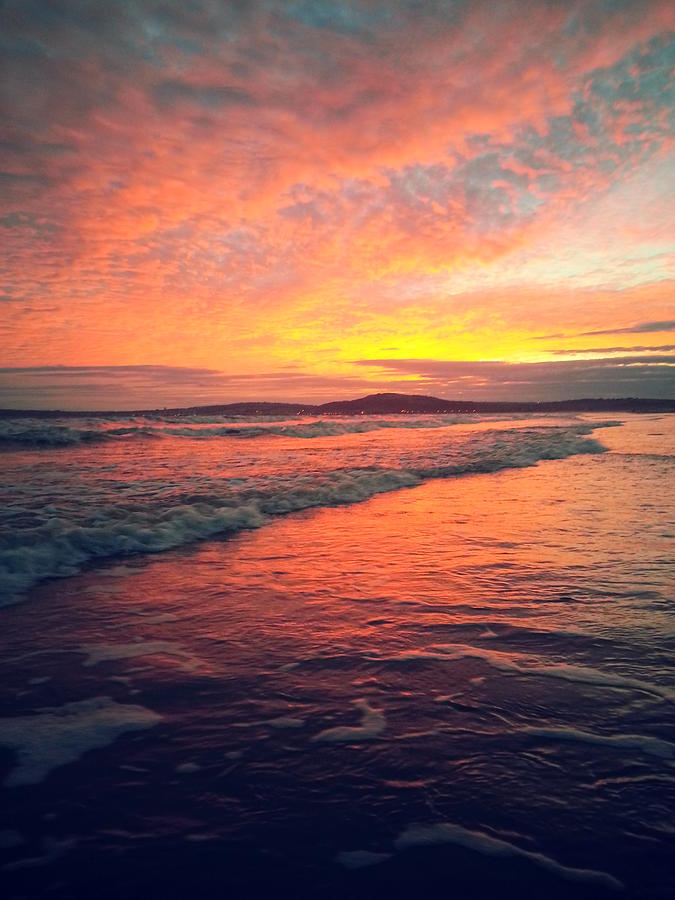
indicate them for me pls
(234, 186)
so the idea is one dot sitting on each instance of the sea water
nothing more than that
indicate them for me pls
(369, 656)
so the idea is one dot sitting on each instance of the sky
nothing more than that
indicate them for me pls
(207, 201)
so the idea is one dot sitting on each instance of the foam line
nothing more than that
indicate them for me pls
(372, 724)
(448, 833)
(98, 653)
(645, 743)
(361, 859)
(515, 662)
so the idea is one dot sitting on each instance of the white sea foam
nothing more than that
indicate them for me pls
(98, 653)
(234, 754)
(56, 552)
(60, 735)
(284, 722)
(478, 841)
(187, 768)
(373, 723)
(642, 742)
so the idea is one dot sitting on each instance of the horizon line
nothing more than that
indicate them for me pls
(301, 405)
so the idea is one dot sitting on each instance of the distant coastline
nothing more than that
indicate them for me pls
(373, 404)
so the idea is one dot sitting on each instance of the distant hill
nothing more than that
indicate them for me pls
(374, 404)
(392, 404)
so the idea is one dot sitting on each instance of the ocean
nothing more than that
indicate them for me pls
(340, 657)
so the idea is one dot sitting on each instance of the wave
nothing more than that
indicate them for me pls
(335, 428)
(62, 543)
(48, 436)
(321, 427)
(45, 435)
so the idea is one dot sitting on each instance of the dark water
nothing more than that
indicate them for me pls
(456, 689)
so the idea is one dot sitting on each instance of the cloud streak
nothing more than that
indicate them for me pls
(136, 387)
(627, 376)
(641, 328)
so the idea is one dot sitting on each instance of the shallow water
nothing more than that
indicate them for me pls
(461, 687)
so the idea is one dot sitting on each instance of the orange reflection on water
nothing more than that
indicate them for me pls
(545, 547)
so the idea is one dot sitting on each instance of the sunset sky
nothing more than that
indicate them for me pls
(301, 199)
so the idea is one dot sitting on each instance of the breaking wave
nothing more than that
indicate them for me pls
(38, 434)
(43, 435)
(56, 540)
